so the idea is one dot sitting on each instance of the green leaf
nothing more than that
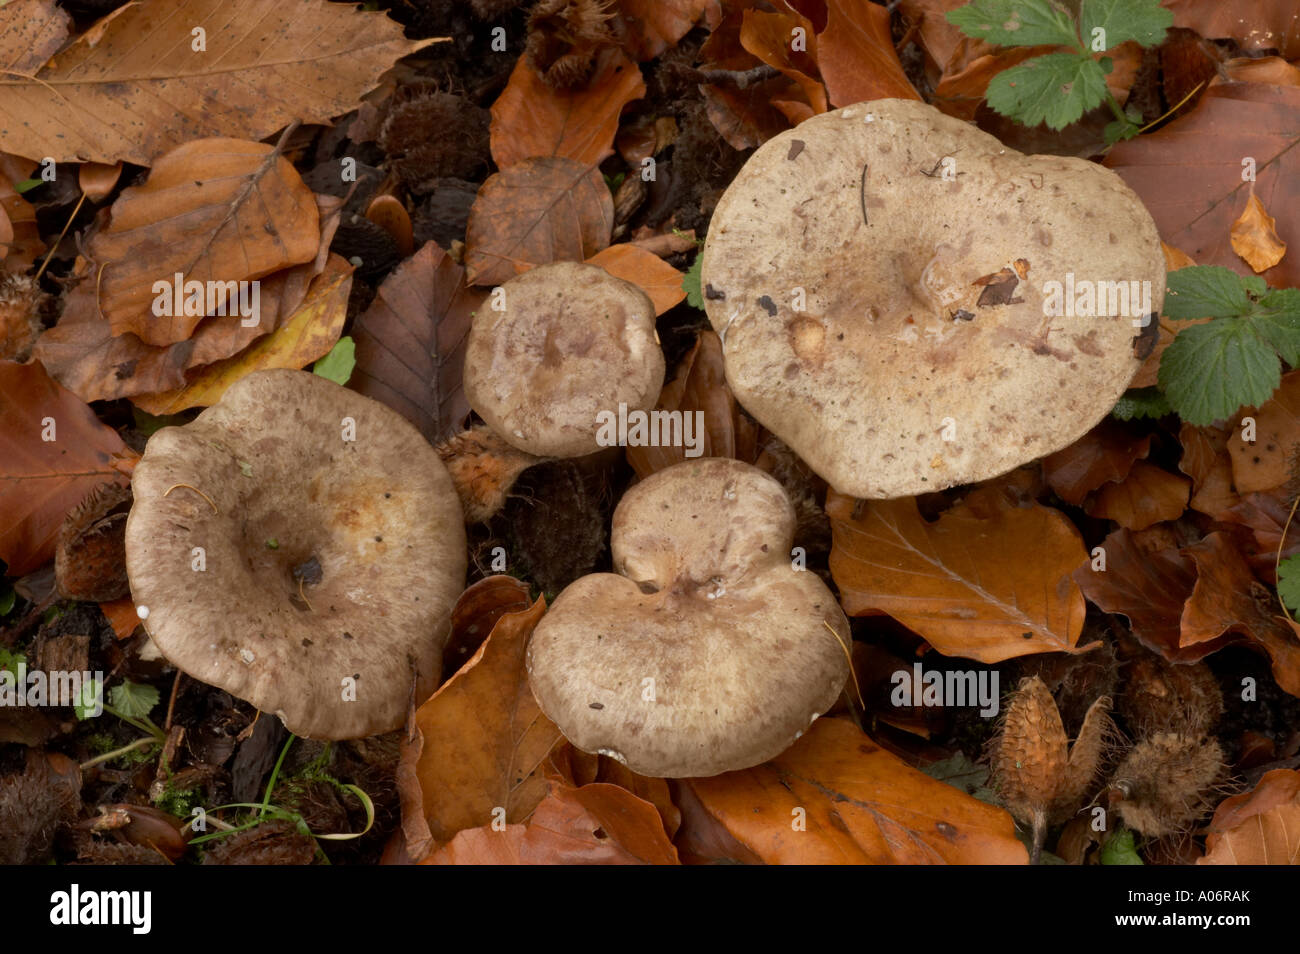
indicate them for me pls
(11, 660)
(27, 185)
(961, 773)
(1211, 370)
(1056, 89)
(1288, 582)
(1119, 130)
(338, 364)
(89, 705)
(1120, 849)
(691, 283)
(1205, 291)
(1276, 319)
(1016, 22)
(133, 700)
(8, 596)
(1123, 20)
(1141, 403)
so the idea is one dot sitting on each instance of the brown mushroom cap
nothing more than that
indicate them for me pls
(571, 342)
(922, 357)
(707, 651)
(322, 559)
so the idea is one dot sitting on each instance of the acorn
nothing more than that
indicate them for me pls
(1165, 782)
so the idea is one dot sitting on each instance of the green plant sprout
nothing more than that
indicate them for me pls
(131, 702)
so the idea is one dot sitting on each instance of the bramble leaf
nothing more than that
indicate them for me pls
(1211, 370)
(1016, 22)
(1057, 89)
(1122, 20)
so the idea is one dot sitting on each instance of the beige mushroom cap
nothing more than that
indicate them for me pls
(318, 559)
(707, 651)
(571, 342)
(880, 276)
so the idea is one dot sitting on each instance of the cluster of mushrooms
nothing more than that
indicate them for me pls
(302, 546)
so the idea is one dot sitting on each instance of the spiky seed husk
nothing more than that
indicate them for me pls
(1165, 782)
(1163, 697)
(433, 135)
(483, 468)
(1086, 759)
(20, 321)
(90, 557)
(1030, 756)
(564, 37)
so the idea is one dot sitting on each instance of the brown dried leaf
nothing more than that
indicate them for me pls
(770, 37)
(652, 26)
(647, 271)
(1105, 454)
(1205, 459)
(410, 342)
(1148, 495)
(1258, 25)
(23, 244)
(1271, 459)
(32, 32)
(1254, 237)
(856, 55)
(535, 212)
(475, 614)
(962, 582)
(133, 86)
(1260, 827)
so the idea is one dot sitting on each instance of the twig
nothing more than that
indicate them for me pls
(741, 79)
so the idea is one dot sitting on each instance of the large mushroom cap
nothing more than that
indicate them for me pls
(295, 536)
(880, 275)
(566, 342)
(707, 651)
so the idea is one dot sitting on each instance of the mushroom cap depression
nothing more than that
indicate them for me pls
(885, 281)
(319, 559)
(572, 341)
(707, 651)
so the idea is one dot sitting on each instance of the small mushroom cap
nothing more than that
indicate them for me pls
(572, 342)
(882, 279)
(707, 651)
(332, 549)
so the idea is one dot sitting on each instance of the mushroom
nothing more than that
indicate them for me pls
(555, 347)
(300, 546)
(708, 650)
(905, 301)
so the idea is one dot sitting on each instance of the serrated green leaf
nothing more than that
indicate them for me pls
(1119, 130)
(1120, 849)
(1288, 582)
(1205, 291)
(338, 364)
(1016, 22)
(1211, 370)
(1056, 89)
(1141, 403)
(1122, 20)
(132, 699)
(1276, 318)
(691, 283)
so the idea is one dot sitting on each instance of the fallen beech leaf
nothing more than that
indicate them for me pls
(54, 452)
(476, 612)
(860, 805)
(122, 616)
(574, 767)
(653, 26)
(536, 211)
(1105, 454)
(746, 118)
(532, 118)
(1258, 25)
(1260, 827)
(308, 334)
(1254, 237)
(937, 37)
(212, 210)
(481, 738)
(134, 87)
(1205, 459)
(701, 385)
(32, 32)
(962, 582)
(23, 245)
(1270, 460)
(98, 180)
(771, 37)
(596, 824)
(411, 342)
(1266, 69)
(1195, 190)
(1149, 494)
(647, 271)
(1264, 515)
(856, 55)
(961, 91)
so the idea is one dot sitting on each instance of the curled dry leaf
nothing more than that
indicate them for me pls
(856, 55)
(532, 118)
(769, 37)
(98, 180)
(1260, 827)
(475, 614)
(652, 26)
(534, 212)
(309, 334)
(1254, 236)
(23, 243)
(410, 342)
(212, 210)
(748, 117)
(1194, 189)
(596, 824)
(853, 803)
(1264, 515)
(1104, 455)
(575, 767)
(1148, 495)
(647, 271)
(1272, 458)
(963, 582)
(134, 85)
(479, 742)
(1267, 69)
(54, 451)
(1205, 459)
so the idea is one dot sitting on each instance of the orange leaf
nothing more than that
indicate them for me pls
(1266, 462)
(476, 613)
(596, 824)
(647, 271)
(1205, 459)
(856, 55)
(835, 797)
(962, 582)
(1261, 827)
(1105, 454)
(24, 243)
(97, 179)
(122, 616)
(1267, 69)
(53, 451)
(1149, 494)
(1254, 237)
(306, 336)
(535, 212)
(480, 739)
(532, 118)
(785, 41)
(652, 26)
